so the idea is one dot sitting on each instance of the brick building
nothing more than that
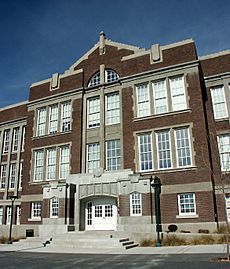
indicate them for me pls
(80, 153)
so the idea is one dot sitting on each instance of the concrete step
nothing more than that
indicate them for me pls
(131, 246)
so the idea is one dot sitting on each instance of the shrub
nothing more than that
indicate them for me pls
(4, 240)
(222, 229)
(147, 243)
(203, 240)
(173, 240)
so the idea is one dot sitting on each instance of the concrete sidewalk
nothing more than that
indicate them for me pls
(207, 249)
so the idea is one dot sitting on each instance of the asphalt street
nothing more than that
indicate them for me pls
(24, 260)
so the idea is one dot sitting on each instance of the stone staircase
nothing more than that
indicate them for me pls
(84, 239)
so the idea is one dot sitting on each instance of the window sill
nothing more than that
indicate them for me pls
(35, 219)
(162, 115)
(187, 216)
(222, 119)
(51, 135)
(171, 170)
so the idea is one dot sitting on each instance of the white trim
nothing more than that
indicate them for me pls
(139, 152)
(179, 205)
(14, 105)
(214, 55)
(213, 104)
(131, 203)
(170, 148)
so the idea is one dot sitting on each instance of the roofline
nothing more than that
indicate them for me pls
(14, 105)
(214, 55)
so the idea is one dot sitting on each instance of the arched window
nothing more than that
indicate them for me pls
(135, 204)
(54, 207)
(110, 76)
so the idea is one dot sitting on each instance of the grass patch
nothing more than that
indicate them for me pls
(147, 243)
(222, 229)
(203, 240)
(173, 240)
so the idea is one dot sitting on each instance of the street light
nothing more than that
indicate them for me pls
(12, 198)
(156, 184)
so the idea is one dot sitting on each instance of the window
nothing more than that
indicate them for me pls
(178, 93)
(12, 175)
(8, 214)
(143, 103)
(15, 139)
(36, 208)
(66, 117)
(1, 215)
(110, 75)
(135, 204)
(94, 112)
(23, 137)
(219, 103)
(3, 177)
(112, 108)
(54, 207)
(38, 165)
(227, 199)
(113, 155)
(183, 147)
(53, 119)
(224, 151)
(145, 152)
(95, 80)
(6, 141)
(41, 121)
(64, 162)
(18, 211)
(93, 157)
(163, 150)
(160, 97)
(51, 163)
(187, 204)
(20, 175)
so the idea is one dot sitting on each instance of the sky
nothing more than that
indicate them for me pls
(39, 38)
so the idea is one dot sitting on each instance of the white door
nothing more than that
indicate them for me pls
(101, 214)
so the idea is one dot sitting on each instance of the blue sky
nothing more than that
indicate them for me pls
(39, 38)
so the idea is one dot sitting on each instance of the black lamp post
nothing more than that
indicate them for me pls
(156, 184)
(12, 198)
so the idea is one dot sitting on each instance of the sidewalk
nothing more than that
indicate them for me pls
(207, 249)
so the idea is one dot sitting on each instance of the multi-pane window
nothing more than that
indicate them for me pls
(224, 151)
(219, 103)
(183, 147)
(41, 121)
(93, 112)
(112, 108)
(39, 165)
(18, 215)
(12, 176)
(20, 175)
(110, 75)
(95, 80)
(64, 162)
(23, 138)
(6, 141)
(98, 211)
(108, 211)
(160, 97)
(93, 157)
(145, 151)
(163, 150)
(51, 163)
(135, 204)
(113, 155)
(54, 207)
(66, 117)
(1, 214)
(177, 89)
(143, 103)
(3, 177)
(53, 119)
(8, 214)
(227, 199)
(187, 204)
(15, 139)
(36, 209)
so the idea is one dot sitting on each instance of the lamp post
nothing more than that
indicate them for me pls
(156, 184)
(12, 198)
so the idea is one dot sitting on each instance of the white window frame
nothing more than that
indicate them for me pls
(20, 175)
(135, 204)
(110, 76)
(23, 138)
(15, 143)
(53, 119)
(66, 111)
(224, 152)
(18, 215)
(6, 141)
(139, 151)
(159, 96)
(54, 207)
(111, 155)
(216, 103)
(183, 148)
(143, 101)
(95, 80)
(3, 177)
(180, 205)
(51, 163)
(8, 215)
(36, 210)
(93, 112)
(13, 175)
(112, 108)
(163, 149)
(175, 94)
(93, 157)
(41, 121)
(1, 215)
(39, 166)
(227, 201)
(64, 162)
